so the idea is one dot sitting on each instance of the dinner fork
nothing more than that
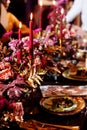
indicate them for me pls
(39, 125)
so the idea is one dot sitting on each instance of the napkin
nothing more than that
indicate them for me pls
(61, 90)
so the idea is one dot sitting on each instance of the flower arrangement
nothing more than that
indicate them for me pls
(20, 75)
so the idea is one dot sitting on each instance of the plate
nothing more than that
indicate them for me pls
(63, 106)
(67, 75)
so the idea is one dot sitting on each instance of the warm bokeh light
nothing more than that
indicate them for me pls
(41, 2)
(54, 2)
(62, 11)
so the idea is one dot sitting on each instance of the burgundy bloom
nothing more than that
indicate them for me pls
(3, 103)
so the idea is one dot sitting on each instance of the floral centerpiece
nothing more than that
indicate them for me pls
(19, 78)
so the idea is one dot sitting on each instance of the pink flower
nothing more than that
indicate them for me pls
(8, 34)
(37, 30)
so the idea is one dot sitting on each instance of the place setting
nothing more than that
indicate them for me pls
(43, 72)
(62, 105)
(78, 74)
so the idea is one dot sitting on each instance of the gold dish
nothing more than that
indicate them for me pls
(63, 106)
(67, 75)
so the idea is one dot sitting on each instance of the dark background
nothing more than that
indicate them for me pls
(22, 8)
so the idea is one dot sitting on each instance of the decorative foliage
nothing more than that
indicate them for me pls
(25, 74)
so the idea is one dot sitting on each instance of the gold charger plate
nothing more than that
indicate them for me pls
(67, 75)
(62, 106)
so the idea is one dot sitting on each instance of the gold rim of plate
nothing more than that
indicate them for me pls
(79, 101)
(66, 74)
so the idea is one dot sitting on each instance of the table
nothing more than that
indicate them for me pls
(39, 114)
(78, 119)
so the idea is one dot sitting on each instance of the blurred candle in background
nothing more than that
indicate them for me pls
(54, 4)
(61, 27)
(41, 11)
(19, 32)
(86, 61)
(19, 37)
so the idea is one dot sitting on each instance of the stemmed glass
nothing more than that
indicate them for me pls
(82, 48)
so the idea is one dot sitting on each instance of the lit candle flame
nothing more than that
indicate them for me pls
(31, 16)
(20, 25)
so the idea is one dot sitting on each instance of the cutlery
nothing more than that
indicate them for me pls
(37, 125)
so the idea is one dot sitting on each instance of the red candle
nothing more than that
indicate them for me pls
(19, 32)
(18, 56)
(31, 34)
(41, 10)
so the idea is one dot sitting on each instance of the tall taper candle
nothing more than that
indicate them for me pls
(61, 25)
(31, 35)
(86, 61)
